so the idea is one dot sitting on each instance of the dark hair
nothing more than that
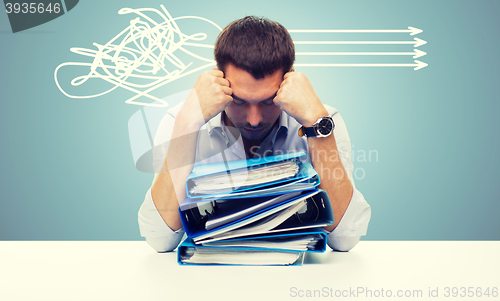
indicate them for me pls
(256, 45)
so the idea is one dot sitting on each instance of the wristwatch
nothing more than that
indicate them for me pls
(323, 127)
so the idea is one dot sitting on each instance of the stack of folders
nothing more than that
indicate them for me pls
(265, 211)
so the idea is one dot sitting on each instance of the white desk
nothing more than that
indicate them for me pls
(133, 271)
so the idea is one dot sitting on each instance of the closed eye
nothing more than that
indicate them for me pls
(268, 102)
(239, 102)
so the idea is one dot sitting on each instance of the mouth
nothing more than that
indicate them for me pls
(253, 131)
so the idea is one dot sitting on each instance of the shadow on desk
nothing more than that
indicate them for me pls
(330, 257)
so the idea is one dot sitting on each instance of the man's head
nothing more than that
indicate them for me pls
(256, 45)
(254, 54)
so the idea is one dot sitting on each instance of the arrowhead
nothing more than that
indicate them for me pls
(419, 53)
(419, 42)
(414, 31)
(420, 65)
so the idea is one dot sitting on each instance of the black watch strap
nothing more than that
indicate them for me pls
(310, 131)
(307, 131)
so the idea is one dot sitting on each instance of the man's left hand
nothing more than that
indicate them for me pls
(297, 98)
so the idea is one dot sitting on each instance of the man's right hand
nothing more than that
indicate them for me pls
(213, 94)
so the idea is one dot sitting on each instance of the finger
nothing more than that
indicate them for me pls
(227, 90)
(223, 82)
(276, 100)
(217, 73)
(288, 74)
(229, 100)
(283, 83)
(278, 96)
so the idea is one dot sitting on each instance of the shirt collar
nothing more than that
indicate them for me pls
(282, 125)
(215, 122)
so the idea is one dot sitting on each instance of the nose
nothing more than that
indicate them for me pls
(254, 115)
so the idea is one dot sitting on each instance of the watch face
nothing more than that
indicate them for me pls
(325, 126)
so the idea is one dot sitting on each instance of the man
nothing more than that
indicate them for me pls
(254, 104)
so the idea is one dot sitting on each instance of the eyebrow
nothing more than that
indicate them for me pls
(267, 99)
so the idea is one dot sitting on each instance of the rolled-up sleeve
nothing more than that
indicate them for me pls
(152, 226)
(353, 224)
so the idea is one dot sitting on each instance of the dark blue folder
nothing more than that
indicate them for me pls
(318, 212)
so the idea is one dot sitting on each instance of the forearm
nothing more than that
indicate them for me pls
(296, 97)
(166, 200)
(168, 189)
(334, 179)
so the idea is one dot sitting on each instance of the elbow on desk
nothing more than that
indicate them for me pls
(161, 244)
(343, 244)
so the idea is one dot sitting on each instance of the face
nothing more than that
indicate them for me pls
(252, 111)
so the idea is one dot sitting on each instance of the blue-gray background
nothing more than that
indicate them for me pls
(66, 166)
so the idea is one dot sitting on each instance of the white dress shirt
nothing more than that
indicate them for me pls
(216, 143)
